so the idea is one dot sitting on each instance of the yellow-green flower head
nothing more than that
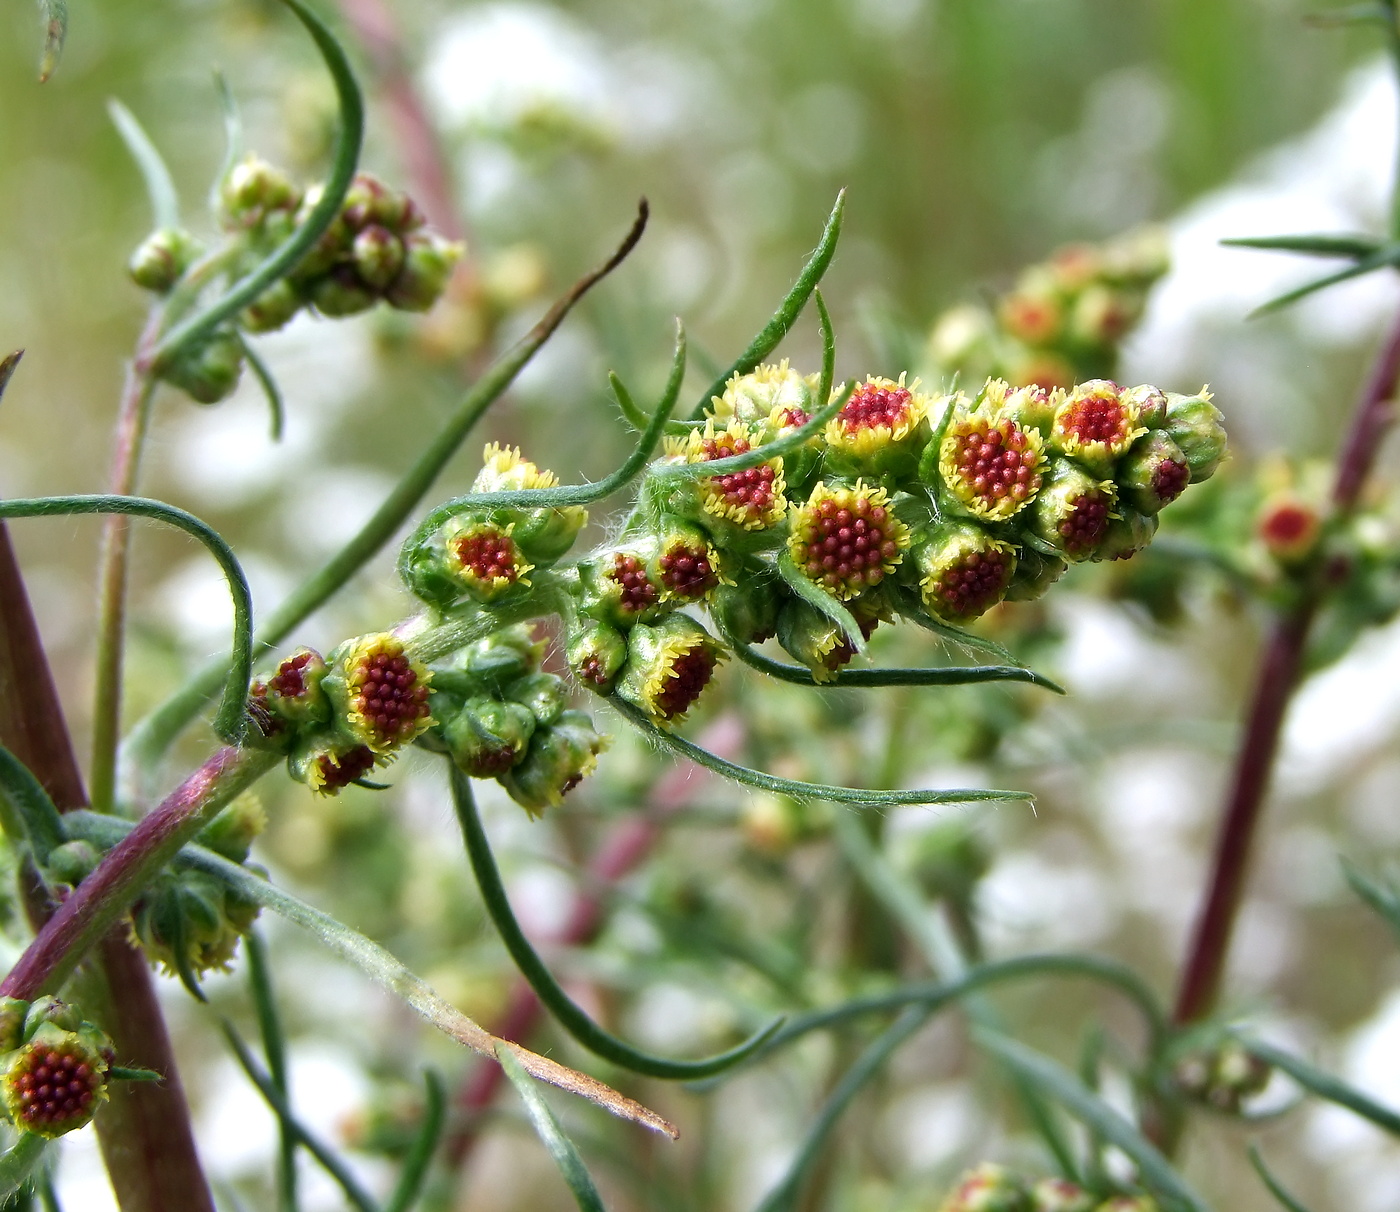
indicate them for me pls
(327, 764)
(846, 539)
(503, 469)
(1095, 423)
(56, 1080)
(988, 1188)
(1031, 406)
(756, 396)
(752, 499)
(990, 464)
(381, 692)
(879, 414)
(686, 565)
(668, 666)
(965, 572)
(482, 555)
(559, 758)
(809, 636)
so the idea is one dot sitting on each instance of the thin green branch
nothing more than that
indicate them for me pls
(791, 307)
(346, 157)
(230, 720)
(155, 175)
(865, 797)
(420, 1154)
(571, 1017)
(290, 1124)
(233, 136)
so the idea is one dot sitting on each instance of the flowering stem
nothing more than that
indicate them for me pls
(1276, 681)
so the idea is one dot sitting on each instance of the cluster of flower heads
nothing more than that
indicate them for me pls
(993, 1188)
(54, 1066)
(1062, 321)
(378, 247)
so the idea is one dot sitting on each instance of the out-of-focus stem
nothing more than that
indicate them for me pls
(133, 416)
(1274, 686)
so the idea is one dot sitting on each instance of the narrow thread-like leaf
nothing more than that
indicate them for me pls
(1326, 1086)
(275, 1049)
(160, 186)
(55, 17)
(18, 1162)
(29, 807)
(273, 393)
(420, 1153)
(1276, 1188)
(1313, 245)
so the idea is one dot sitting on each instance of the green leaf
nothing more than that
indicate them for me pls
(548, 990)
(7, 368)
(55, 17)
(828, 376)
(814, 1145)
(233, 137)
(275, 1049)
(1276, 1188)
(1386, 256)
(1317, 245)
(349, 137)
(865, 797)
(1326, 1086)
(19, 1161)
(560, 1147)
(788, 310)
(230, 721)
(160, 186)
(287, 1118)
(29, 808)
(1351, 14)
(1383, 898)
(269, 386)
(420, 1153)
(120, 1073)
(1058, 1083)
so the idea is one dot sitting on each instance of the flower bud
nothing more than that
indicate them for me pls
(503, 656)
(1151, 404)
(559, 758)
(1127, 535)
(232, 833)
(341, 293)
(1221, 1075)
(747, 500)
(615, 587)
(378, 693)
(1032, 313)
(190, 923)
(811, 638)
(273, 308)
(1060, 1195)
(749, 608)
(1030, 406)
(1095, 423)
(881, 429)
(596, 654)
(428, 262)
(988, 1188)
(1072, 512)
(378, 255)
(542, 694)
(327, 764)
(963, 571)
(370, 202)
(208, 370)
(13, 1012)
(253, 188)
(160, 260)
(293, 695)
(668, 666)
(991, 466)
(1035, 573)
(56, 1079)
(540, 535)
(754, 397)
(70, 864)
(1101, 317)
(1195, 425)
(1153, 473)
(486, 737)
(846, 538)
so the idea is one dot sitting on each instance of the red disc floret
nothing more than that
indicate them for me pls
(1170, 479)
(390, 698)
(686, 571)
(689, 675)
(592, 669)
(638, 593)
(1287, 524)
(793, 417)
(974, 584)
(54, 1085)
(1096, 418)
(339, 770)
(290, 679)
(997, 462)
(873, 406)
(489, 555)
(847, 547)
(1083, 528)
(749, 491)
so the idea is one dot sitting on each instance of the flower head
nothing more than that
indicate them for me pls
(882, 418)
(686, 565)
(504, 469)
(327, 764)
(751, 499)
(292, 696)
(486, 736)
(764, 391)
(483, 557)
(668, 666)
(988, 1188)
(380, 692)
(1195, 425)
(1289, 526)
(560, 757)
(54, 1082)
(990, 464)
(964, 571)
(1095, 423)
(1154, 472)
(1073, 511)
(847, 539)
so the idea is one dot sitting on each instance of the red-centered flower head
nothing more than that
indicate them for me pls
(635, 592)
(55, 1081)
(991, 465)
(1060, 1195)
(381, 692)
(753, 398)
(988, 1188)
(331, 770)
(686, 566)
(1153, 473)
(1289, 527)
(752, 499)
(596, 653)
(846, 539)
(482, 555)
(1074, 510)
(1102, 316)
(668, 666)
(964, 571)
(1095, 423)
(879, 414)
(291, 698)
(1075, 266)
(1040, 367)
